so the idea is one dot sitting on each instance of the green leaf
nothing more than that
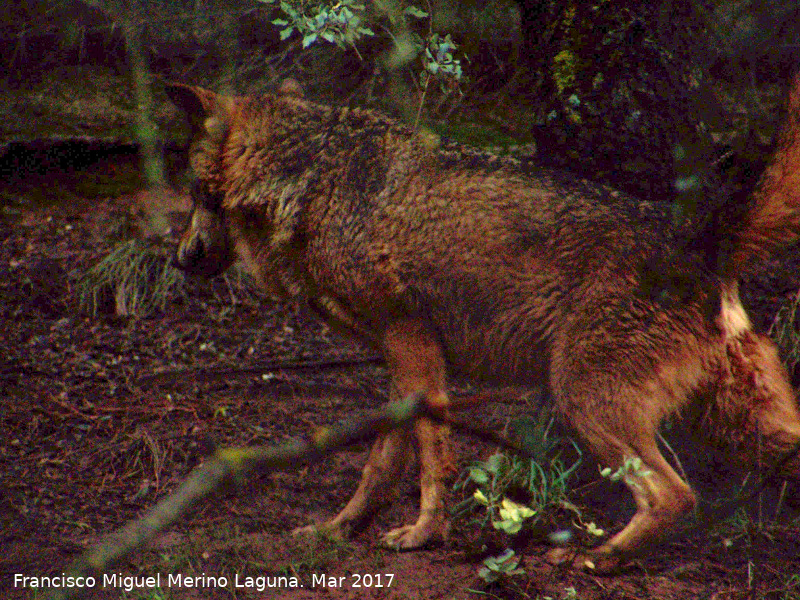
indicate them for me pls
(309, 39)
(285, 33)
(413, 11)
(510, 527)
(328, 36)
(478, 475)
(560, 538)
(516, 511)
(492, 563)
(495, 462)
(594, 529)
(280, 22)
(480, 497)
(507, 559)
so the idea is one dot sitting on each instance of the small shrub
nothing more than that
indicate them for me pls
(497, 567)
(543, 480)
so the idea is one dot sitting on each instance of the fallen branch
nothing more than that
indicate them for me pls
(228, 465)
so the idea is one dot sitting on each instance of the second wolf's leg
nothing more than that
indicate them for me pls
(754, 415)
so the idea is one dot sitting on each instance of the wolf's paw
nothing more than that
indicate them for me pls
(591, 562)
(412, 537)
(408, 537)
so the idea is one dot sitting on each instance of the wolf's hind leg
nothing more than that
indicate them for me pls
(662, 498)
(618, 435)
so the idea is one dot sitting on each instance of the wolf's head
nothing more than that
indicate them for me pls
(248, 176)
(205, 247)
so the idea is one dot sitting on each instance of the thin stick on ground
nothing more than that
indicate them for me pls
(675, 458)
(273, 365)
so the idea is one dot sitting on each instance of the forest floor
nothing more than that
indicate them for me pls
(101, 416)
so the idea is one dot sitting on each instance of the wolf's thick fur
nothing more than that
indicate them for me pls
(450, 259)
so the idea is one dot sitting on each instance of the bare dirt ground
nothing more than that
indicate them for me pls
(100, 417)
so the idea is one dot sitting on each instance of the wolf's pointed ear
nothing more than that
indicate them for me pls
(204, 108)
(194, 101)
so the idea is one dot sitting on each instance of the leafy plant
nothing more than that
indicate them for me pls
(340, 23)
(629, 472)
(497, 567)
(438, 61)
(511, 514)
(542, 480)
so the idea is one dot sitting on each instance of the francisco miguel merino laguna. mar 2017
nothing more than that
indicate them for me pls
(259, 583)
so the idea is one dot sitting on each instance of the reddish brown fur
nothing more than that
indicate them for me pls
(447, 258)
(774, 219)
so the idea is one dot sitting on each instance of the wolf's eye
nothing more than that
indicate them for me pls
(205, 198)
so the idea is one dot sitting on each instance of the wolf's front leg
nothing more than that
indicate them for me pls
(417, 366)
(385, 465)
(416, 362)
(435, 467)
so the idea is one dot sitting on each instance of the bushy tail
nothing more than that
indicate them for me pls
(772, 218)
(733, 238)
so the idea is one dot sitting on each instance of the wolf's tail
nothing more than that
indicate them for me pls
(772, 218)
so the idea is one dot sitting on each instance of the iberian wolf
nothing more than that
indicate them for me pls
(448, 259)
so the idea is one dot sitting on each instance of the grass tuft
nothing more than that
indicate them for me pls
(785, 330)
(136, 278)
